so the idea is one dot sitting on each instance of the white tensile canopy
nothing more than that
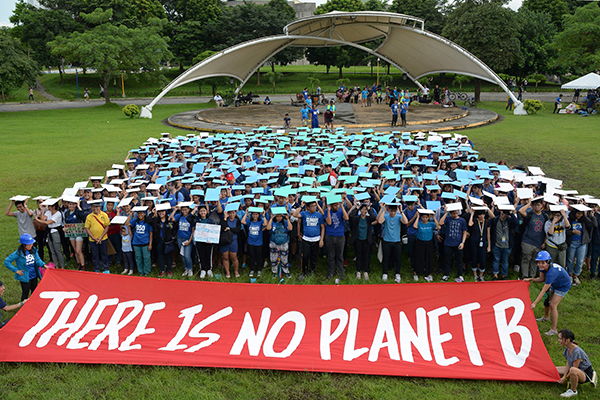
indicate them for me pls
(405, 45)
(589, 81)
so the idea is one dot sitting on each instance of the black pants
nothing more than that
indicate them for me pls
(163, 257)
(28, 287)
(40, 238)
(309, 251)
(255, 257)
(391, 253)
(204, 251)
(403, 117)
(423, 257)
(363, 256)
(478, 255)
(394, 119)
(450, 253)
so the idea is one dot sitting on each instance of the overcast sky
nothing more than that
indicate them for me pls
(7, 7)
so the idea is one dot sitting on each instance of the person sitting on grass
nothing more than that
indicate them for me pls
(578, 368)
(557, 283)
(5, 307)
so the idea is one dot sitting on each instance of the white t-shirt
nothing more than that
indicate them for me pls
(56, 217)
(425, 91)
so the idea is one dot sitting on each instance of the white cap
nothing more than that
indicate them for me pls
(139, 208)
(163, 206)
(50, 202)
(581, 207)
(454, 206)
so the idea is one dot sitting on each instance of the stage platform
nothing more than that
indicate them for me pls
(353, 117)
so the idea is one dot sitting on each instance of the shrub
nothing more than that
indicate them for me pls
(131, 110)
(532, 106)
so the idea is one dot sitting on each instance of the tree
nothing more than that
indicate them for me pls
(460, 79)
(577, 48)
(556, 9)
(274, 77)
(313, 80)
(429, 10)
(486, 29)
(113, 48)
(322, 56)
(37, 26)
(340, 5)
(15, 67)
(375, 5)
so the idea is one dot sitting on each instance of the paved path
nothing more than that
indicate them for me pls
(57, 105)
(476, 117)
(42, 90)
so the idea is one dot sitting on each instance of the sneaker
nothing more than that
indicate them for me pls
(251, 274)
(445, 278)
(161, 274)
(517, 268)
(345, 263)
(429, 278)
(569, 393)
(173, 265)
(209, 273)
(329, 276)
(266, 264)
(366, 276)
(384, 277)
(301, 277)
(481, 279)
(542, 319)
(130, 272)
(397, 278)
(576, 280)
(594, 380)
(416, 278)
(202, 274)
(460, 279)
(185, 273)
(288, 275)
(125, 271)
(495, 278)
(244, 265)
(227, 276)
(274, 275)
(258, 275)
(106, 272)
(476, 278)
(357, 275)
(551, 332)
(169, 273)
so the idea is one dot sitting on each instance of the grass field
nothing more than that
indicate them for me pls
(45, 151)
(294, 80)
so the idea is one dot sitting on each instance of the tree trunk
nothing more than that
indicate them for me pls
(340, 75)
(3, 99)
(214, 90)
(477, 90)
(105, 85)
(371, 69)
(273, 67)
(328, 66)
(442, 78)
(61, 74)
(200, 88)
(273, 87)
(388, 69)
(258, 77)
(180, 66)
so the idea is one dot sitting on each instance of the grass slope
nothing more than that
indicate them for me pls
(45, 151)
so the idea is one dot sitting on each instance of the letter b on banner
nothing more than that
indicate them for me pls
(505, 329)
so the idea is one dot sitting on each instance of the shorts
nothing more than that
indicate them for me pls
(558, 292)
(232, 247)
(328, 119)
(77, 239)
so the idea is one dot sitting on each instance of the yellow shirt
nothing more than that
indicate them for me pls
(95, 227)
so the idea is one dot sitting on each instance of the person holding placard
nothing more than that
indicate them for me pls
(279, 225)
(454, 242)
(312, 224)
(423, 253)
(556, 234)
(362, 218)
(27, 265)
(203, 249)
(165, 238)
(229, 252)
(581, 236)
(23, 215)
(255, 226)
(74, 215)
(53, 219)
(502, 240)
(142, 239)
(390, 219)
(96, 225)
(534, 237)
(335, 239)
(185, 233)
(480, 241)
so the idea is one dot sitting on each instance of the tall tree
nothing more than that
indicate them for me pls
(577, 48)
(556, 9)
(340, 5)
(375, 5)
(486, 29)
(429, 10)
(113, 48)
(15, 67)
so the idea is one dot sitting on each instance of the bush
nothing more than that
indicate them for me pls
(131, 110)
(532, 106)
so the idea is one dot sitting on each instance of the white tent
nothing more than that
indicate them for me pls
(405, 44)
(589, 81)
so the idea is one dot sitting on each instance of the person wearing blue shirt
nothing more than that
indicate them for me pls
(255, 225)
(4, 307)
(335, 240)
(142, 242)
(557, 104)
(403, 110)
(313, 229)
(304, 112)
(305, 94)
(28, 263)
(390, 219)
(557, 281)
(423, 252)
(185, 236)
(394, 108)
(411, 214)
(173, 195)
(454, 243)
(279, 225)
(314, 112)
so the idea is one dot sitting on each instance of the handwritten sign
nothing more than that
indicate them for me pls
(75, 230)
(207, 233)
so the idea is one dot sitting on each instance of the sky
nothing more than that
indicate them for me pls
(7, 7)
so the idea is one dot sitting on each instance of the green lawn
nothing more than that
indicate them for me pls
(45, 151)
(22, 95)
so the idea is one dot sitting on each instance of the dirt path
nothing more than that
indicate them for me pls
(41, 90)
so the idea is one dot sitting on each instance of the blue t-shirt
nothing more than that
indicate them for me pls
(279, 234)
(30, 264)
(365, 93)
(534, 231)
(411, 231)
(71, 217)
(454, 231)
(391, 227)
(2, 305)
(577, 226)
(305, 112)
(314, 113)
(403, 107)
(337, 224)
(174, 198)
(305, 94)
(425, 231)
(185, 225)
(558, 278)
(395, 109)
(311, 223)
(255, 235)
(232, 224)
(141, 232)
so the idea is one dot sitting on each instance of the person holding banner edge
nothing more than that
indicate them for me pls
(6, 307)
(28, 263)
(556, 281)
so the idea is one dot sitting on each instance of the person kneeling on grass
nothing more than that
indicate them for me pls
(556, 282)
(579, 367)
(5, 307)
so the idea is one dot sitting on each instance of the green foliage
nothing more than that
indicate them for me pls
(312, 81)
(532, 106)
(429, 10)
(537, 78)
(555, 8)
(535, 35)
(388, 79)
(131, 110)
(15, 66)
(577, 48)
(375, 5)
(342, 82)
(274, 77)
(460, 79)
(112, 48)
(340, 5)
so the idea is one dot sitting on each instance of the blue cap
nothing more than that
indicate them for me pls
(26, 238)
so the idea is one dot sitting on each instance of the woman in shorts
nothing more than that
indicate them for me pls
(579, 368)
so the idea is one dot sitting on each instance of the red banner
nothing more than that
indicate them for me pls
(447, 330)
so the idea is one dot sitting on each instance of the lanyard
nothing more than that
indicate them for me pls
(481, 229)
